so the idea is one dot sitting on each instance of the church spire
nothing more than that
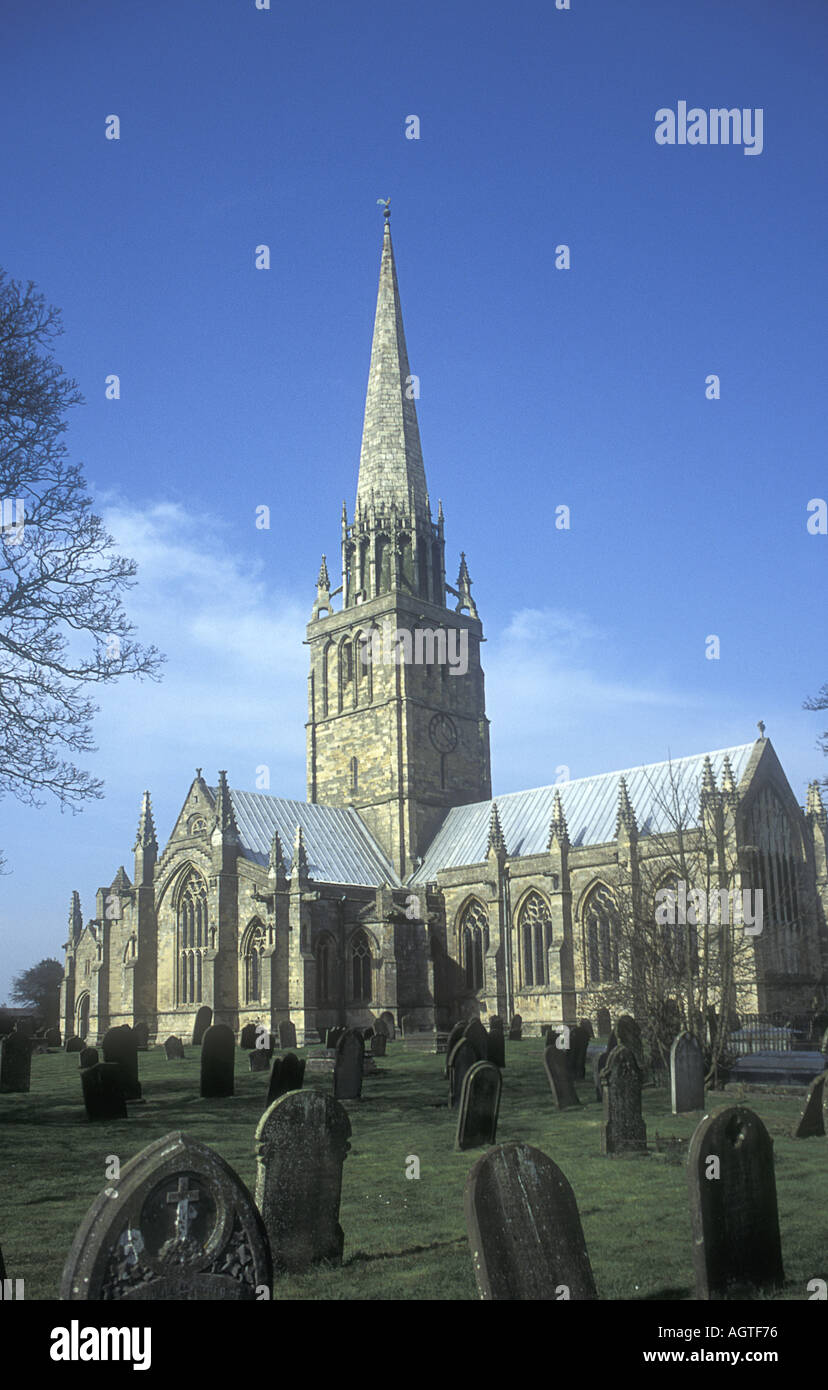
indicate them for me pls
(146, 838)
(391, 471)
(225, 815)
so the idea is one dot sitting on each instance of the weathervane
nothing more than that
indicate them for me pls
(385, 204)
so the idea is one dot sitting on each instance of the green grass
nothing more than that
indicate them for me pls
(404, 1239)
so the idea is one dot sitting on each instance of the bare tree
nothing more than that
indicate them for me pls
(817, 702)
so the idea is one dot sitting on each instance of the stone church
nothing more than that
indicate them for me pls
(400, 884)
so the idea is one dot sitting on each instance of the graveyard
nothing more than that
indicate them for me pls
(404, 1235)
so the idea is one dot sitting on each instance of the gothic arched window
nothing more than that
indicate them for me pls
(474, 941)
(601, 936)
(253, 956)
(534, 938)
(325, 970)
(675, 933)
(192, 938)
(360, 968)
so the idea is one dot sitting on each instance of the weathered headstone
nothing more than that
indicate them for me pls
(577, 1051)
(453, 1039)
(811, 1122)
(350, 1052)
(15, 1062)
(388, 1019)
(479, 1106)
(119, 1046)
(103, 1092)
(218, 1048)
(74, 1045)
(247, 1041)
(496, 1042)
(461, 1058)
(301, 1144)
(183, 1226)
(88, 1057)
(259, 1059)
(597, 1068)
(733, 1211)
(622, 1129)
(524, 1229)
(203, 1019)
(174, 1049)
(52, 1037)
(379, 1043)
(286, 1074)
(140, 1032)
(560, 1077)
(686, 1074)
(334, 1034)
(604, 1019)
(380, 1026)
(287, 1033)
(629, 1035)
(516, 1029)
(476, 1035)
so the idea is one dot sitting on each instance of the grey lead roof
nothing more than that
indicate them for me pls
(339, 847)
(590, 805)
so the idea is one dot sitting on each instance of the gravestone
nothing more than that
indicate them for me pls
(479, 1106)
(287, 1074)
(218, 1049)
(597, 1068)
(15, 1062)
(350, 1053)
(203, 1019)
(119, 1046)
(629, 1035)
(259, 1059)
(409, 1025)
(334, 1034)
(380, 1026)
(74, 1045)
(812, 1120)
(140, 1032)
(686, 1074)
(182, 1227)
(733, 1212)
(52, 1037)
(367, 1034)
(174, 1049)
(516, 1029)
(622, 1129)
(524, 1229)
(590, 1031)
(496, 1042)
(247, 1041)
(301, 1145)
(388, 1020)
(462, 1057)
(560, 1077)
(287, 1033)
(103, 1092)
(577, 1051)
(379, 1043)
(453, 1039)
(476, 1035)
(88, 1057)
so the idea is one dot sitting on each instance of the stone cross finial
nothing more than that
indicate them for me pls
(761, 727)
(183, 1199)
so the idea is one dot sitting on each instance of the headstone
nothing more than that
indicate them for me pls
(686, 1074)
(74, 1045)
(174, 1049)
(604, 1023)
(496, 1042)
(597, 1068)
(461, 1059)
(629, 1035)
(287, 1033)
(119, 1046)
(409, 1025)
(103, 1092)
(476, 1035)
(623, 1129)
(379, 1043)
(733, 1212)
(286, 1074)
(15, 1062)
(140, 1032)
(259, 1059)
(812, 1120)
(590, 1031)
(52, 1037)
(560, 1077)
(380, 1026)
(453, 1039)
(524, 1229)
(479, 1106)
(388, 1019)
(577, 1051)
(334, 1034)
(203, 1019)
(516, 1029)
(182, 1227)
(247, 1041)
(218, 1048)
(367, 1034)
(301, 1144)
(350, 1051)
(88, 1057)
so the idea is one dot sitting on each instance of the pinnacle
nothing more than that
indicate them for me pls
(497, 843)
(146, 837)
(558, 829)
(626, 815)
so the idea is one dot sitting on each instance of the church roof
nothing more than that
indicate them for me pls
(590, 806)
(339, 848)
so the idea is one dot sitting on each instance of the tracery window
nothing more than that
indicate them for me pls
(253, 958)
(192, 938)
(325, 970)
(360, 967)
(534, 939)
(601, 926)
(474, 942)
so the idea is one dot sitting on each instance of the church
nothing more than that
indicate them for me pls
(399, 884)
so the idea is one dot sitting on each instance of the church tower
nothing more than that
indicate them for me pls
(397, 721)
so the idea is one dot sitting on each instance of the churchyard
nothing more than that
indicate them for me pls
(404, 1235)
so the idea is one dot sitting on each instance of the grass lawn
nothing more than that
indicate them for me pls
(404, 1239)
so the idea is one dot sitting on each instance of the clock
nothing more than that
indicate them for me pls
(443, 733)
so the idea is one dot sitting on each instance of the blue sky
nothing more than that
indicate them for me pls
(539, 386)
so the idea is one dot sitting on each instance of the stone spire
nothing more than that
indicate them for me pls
(709, 793)
(497, 844)
(814, 806)
(463, 590)
(276, 864)
(626, 815)
(729, 791)
(225, 815)
(75, 918)
(558, 830)
(391, 470)
(299, 865)
(146, 838)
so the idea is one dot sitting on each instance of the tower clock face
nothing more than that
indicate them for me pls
(443, 733)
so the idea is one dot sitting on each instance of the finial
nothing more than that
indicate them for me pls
(761, 727)
(385, 204)
(497, 843)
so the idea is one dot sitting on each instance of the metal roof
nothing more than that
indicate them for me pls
(339, 846)
(590, 805)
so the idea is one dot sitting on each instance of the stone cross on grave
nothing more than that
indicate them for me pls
(182, 1199)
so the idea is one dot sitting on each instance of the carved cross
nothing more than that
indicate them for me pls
(183, 1199)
